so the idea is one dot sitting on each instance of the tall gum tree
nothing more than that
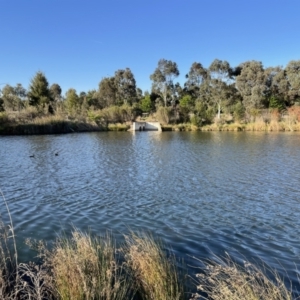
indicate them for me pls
(219, 79)
(107, 92)
(163, 78)
(125, 85)
(196, 76)
(277, 87)
(293, 74)
(252, 84)
(13, 97)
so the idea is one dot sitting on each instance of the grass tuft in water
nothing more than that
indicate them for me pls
(153, 272)
(224, 279)
(87, 268)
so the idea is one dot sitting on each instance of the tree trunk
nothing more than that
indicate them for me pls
(165, 95)
(219, 110)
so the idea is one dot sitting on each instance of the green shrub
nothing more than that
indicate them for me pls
(238, 112)
(3, 118)
(275, 102)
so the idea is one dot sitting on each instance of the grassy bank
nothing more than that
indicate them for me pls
(29, 122)
(253, 126)
(32, 121)
(258, 125)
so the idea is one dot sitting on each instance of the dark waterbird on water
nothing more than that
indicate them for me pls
(31, 155)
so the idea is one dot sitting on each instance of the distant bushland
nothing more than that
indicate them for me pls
(219, 97)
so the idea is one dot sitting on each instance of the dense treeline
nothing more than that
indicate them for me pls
(242, 92)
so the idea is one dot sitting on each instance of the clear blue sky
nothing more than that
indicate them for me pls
(76, 43)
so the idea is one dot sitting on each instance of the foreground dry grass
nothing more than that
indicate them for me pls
(224, 279)
(153, 272)
(87, 268)
(83, 267)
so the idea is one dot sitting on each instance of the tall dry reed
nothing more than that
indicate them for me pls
(9, 270)
(87, 268)
(153, 272)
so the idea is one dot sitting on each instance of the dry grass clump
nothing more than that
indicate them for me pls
(118, 127)
(25, 115)
(35, 282)
(153, 272)
(86, 268)
(163, 115)
(185, 127)
(49, 119)
(224, 279)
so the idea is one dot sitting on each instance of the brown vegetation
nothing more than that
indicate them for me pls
(224, 279)
(153, 272)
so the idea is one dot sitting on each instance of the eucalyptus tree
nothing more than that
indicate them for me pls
(39, 93)
(125, 86)
(277, 87)
(186, 106)
(252, 85)
(293, 75)
(139, 94)
(196, 76)
(220, 75)
(107, 92)
(232, 97)
(92, 99)
(220, 70)
(13, 97)
(162, 78)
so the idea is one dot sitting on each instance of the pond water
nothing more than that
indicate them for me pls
(201, 193)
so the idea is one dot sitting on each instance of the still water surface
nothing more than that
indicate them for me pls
(201, 193)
